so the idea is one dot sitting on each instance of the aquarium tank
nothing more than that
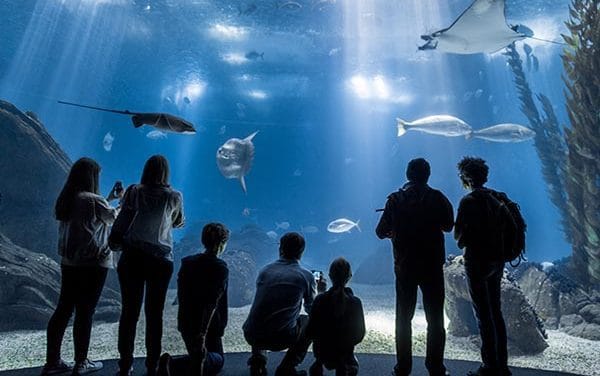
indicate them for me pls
(301, 116)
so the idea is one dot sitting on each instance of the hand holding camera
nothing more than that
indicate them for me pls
(116, 192)
(321, 281)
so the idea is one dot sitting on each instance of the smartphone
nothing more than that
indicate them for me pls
(317, 274)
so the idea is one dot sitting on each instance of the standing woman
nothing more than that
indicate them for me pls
(84, 218)
(150, 211)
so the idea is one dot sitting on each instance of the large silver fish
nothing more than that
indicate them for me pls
(441, 125)
(507, 132)
(342, 225)
(235, 157)
(158, 120)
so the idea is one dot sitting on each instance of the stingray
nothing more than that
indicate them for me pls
(159, 120)
(481, 28)
(235, 158)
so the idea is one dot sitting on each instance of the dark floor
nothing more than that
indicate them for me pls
(370, 364)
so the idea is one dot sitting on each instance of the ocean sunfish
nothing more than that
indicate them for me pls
(235, 157)
(441, 125)
(507, 132)
(158, 120)
(342, 225)
(481, 28)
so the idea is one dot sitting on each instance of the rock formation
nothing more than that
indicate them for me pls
(561, 302)
(30, 286)
(377, 268)
(242, 277)
(525, 331)
(33, 168)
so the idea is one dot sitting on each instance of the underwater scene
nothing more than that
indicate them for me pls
(282, 116)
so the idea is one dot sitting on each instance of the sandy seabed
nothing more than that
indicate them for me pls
(22, 349)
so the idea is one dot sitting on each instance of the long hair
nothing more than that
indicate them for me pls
(156, 171)
(83, 177)
(340, 273)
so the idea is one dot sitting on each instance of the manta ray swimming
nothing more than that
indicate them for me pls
(481, 28)
(159, 120)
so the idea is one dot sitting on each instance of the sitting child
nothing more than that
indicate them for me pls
(336, 324)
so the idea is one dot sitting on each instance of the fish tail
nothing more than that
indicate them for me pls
(357, 226)
(402, 125)
(249, 138)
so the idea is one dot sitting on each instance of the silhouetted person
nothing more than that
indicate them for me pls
(415, 218)
(84, 218)
(336, 324)
(150, 211)
(479, 231)
(202, 316)
(275, 322)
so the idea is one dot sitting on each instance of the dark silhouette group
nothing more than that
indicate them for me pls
(415, 217)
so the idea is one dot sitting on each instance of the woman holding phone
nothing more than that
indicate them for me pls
(84, 220)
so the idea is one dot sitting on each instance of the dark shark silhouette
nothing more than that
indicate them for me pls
(159, 120)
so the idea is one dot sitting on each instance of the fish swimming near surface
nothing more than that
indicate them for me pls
(156, 135)
(441, 125)
(107, 142)
(507, 132)
(235, 157)
(158, 120)
(342, 225)
(282, 226)
(253, 55)
(481, 28)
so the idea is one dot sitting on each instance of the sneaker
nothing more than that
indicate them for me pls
(164, 364)
(54, 369)
(87, 366)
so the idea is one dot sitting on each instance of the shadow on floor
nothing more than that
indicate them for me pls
(370, 364)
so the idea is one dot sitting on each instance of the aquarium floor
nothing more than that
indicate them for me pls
(370, 364)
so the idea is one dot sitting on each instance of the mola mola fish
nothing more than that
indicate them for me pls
(158, 120)
(504, 133)
(481, 28)
(441, 125)
(235, 157)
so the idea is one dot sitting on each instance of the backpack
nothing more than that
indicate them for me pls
(514, 236)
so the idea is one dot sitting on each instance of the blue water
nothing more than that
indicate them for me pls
(327, 146)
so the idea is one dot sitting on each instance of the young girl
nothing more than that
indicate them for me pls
(336, 324)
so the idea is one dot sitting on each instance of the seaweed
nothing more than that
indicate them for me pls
(581, 61)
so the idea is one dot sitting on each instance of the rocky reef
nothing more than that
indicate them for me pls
(30, 286)
(525, 330)
(33, 168)
(376, 269)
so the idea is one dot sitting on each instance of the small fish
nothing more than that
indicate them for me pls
(507, 132)
(253, 55)
(441, 125)
(240, 106)
(251, 8)
(187, 100)
(158, 120)
(527, 48)
(290, 5)
(156, 135)
(342, 225)
(478, 93)
(309, 229)
(107, 142)
(333, 240)
(272, 234)
(246, 212)
(282, 226)
(536, 63)
(467, 96)
(334, 51)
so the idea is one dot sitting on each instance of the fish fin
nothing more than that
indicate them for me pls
(469, 136)
(401, 127)
(136, 121)
(243, 183)
(357, 226)
(249, 138)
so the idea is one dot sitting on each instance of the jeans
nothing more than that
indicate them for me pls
(484, 286)
(80, 291)
(139, 271)
(189, 364)
(297, 347)
(431, 282)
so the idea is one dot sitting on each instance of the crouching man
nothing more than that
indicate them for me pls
(275, 322)
(202, 317)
